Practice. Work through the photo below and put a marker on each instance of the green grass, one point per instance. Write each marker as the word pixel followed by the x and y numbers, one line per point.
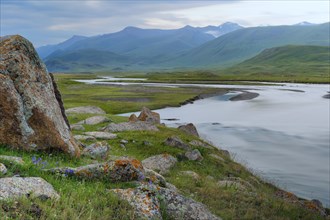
pixel 86 199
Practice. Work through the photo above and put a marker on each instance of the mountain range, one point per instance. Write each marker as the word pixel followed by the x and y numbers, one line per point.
pixel 188 47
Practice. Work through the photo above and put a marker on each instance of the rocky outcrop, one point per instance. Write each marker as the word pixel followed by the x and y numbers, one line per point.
pixel 85 110
pixel 94 120
pixel 189 129
pixel 161 163
pixel 176 142
pixel 148 116
pixel 194 155
pixel 97 150
pixel 30 113
pixel 130 126
pixel 120 170
pixel 146 200
pixel 3 169
pixel 15 187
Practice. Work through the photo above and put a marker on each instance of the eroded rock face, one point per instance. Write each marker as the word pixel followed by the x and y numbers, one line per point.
pixel 14 187
pixel 30 113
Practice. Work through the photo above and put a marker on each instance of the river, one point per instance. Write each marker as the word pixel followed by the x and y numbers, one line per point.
pixel 283 134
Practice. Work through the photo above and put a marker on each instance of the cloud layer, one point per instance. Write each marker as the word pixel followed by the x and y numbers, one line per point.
pixel 52 21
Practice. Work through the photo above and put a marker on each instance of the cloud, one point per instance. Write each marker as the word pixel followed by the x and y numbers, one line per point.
pixel 50 21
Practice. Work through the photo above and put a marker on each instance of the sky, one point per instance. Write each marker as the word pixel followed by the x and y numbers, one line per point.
pixel 53 21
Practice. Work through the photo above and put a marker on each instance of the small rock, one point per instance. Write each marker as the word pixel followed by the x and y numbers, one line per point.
pixel 123 146
pixel 176 142
pixel 3 169
pixel 102 135
pixel 197 143
pixel 148 116
pixel 160 163
pixel 217 157
pixel 94 120
pixel 190 173
pixel 133 118
pixel 17 160
pixel 143 201
pixel 123 141
pixel 155 177
pixel 97 150
pixel 85 110
pixel 130 126
pixel 84 138
pixel 119 170
pixel 76 127
pixel 189 129
pixel 15 187
pixel 146 143
pixel 194 155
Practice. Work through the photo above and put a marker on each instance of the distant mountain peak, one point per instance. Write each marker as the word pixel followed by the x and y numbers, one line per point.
pixel 304 23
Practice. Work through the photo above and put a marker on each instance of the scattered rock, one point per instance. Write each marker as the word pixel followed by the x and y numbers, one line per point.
pixel 133 118
pixel 194 155
pixel 130 126
pixel 160 163
pixel 17 160
pixel 97 150
pixel 102 135
pixel 94 120
pixel 147 115
pixel 176 142
pixel 3 169
pixel 119 170
pixel 189 129
pixel 85 110
pixel 31 112
pixel 217 157
pixel 180 207
pixel 190 173
pixel 197 143
pixel 84 138
pixel 123 141
pixel 76 127
pixel 14 187
pixel 143 201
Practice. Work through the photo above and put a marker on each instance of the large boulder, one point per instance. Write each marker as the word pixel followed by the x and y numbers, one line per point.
pixel 15 187
pixel 161 163
pixel 31 113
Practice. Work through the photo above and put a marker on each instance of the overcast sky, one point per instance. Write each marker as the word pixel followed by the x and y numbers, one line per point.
pixel 52 21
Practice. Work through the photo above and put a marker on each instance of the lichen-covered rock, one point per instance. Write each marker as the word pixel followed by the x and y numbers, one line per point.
pixel 120 170
pixel 189 129
pixel 85 110
pixel 14 187
pixel 130 126
pixel 148 116
pixel 31 115
pixel 194 155
pixel 12 159
pixel 176 142
pixel 143 201
pixel 94 120
pixel 3 169
pixel 155 177
pixel 161 163
pixel 180 207
pixel 97 150
pixel 101 135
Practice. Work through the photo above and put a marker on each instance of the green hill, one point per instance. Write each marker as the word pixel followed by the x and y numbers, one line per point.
pixel 245 43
